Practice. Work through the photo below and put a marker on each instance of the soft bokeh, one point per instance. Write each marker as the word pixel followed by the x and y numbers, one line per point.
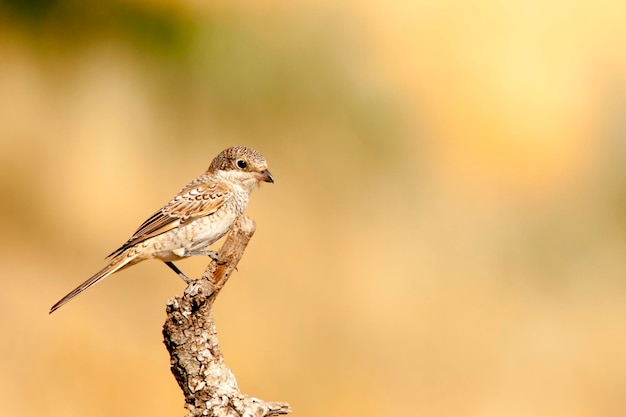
pixel 447 231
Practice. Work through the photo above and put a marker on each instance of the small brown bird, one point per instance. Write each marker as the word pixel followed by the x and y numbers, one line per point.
pixel 198 216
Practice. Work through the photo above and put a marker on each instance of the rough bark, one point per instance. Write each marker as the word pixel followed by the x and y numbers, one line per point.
pixel 190 336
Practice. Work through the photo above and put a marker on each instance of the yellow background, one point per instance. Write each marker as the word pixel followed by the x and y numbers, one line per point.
pixel 447 231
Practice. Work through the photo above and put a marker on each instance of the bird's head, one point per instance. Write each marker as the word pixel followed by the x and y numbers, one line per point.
pixel 242 165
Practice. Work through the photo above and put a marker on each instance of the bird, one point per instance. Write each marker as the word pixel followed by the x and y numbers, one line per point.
pixel 198 216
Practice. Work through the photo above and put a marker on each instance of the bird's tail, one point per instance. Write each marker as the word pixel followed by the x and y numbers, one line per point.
pixel 117 263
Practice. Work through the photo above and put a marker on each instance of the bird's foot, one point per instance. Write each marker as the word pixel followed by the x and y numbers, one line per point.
pixel 179 272
pixel 211 254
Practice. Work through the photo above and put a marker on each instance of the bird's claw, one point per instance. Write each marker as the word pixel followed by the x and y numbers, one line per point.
pixel 215 256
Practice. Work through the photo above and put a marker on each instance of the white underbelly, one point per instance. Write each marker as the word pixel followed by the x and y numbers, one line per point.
pixel 195 236
pixel 206 232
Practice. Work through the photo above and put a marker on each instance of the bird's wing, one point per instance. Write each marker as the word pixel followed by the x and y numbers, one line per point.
pixel 201 197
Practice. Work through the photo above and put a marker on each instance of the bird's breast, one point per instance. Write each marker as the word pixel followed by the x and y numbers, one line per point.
pixel 195 235
pixel 208 230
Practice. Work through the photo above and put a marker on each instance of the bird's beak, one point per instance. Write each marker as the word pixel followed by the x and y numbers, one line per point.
pixel 266 176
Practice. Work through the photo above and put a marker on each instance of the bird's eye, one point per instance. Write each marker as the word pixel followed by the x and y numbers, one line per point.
pixel 242 164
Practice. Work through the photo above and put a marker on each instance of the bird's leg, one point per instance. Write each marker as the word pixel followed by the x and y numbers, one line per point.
pixel 179 272
pixel 211 254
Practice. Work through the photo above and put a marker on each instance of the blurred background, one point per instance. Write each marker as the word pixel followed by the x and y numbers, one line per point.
pixel 447 231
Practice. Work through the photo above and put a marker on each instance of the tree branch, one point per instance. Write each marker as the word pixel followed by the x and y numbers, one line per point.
pixel 190 336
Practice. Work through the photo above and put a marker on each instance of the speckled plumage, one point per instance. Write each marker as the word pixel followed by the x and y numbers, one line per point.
pixel 198 216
